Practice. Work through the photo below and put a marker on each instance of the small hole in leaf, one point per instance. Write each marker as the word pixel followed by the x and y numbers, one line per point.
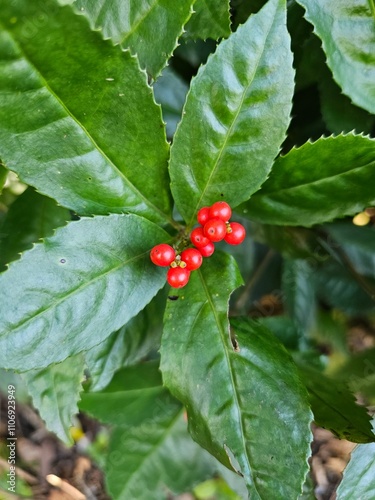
pixel 62 261
pixel 89 178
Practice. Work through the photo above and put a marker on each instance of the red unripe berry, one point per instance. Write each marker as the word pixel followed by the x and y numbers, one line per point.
pixel 215 229
pixel 237 235
pixel 208 250
pixel 162 255
pixel 178 276
pixel 221 210
pixel 198 238
pixel 203 215
pixel 192 258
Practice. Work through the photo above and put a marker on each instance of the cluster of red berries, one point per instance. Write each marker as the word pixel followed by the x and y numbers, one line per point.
pixel 213 226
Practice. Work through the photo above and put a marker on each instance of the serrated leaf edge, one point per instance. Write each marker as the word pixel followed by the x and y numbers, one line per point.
pixel 195 38
pixel 133 53
pixel 131 186
pixel 67 439
pixel 192 82
pixel 324 48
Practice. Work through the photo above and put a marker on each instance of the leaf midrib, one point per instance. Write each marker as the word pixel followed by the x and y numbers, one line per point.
pixel 133 188
pixel 311 183
pixel 213 14
pixel 229 130
pixel 227 358
pixel 153 450
pixel 335 410
pixel 139 22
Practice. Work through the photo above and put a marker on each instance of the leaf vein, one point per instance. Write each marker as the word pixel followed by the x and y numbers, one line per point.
pixel 229 131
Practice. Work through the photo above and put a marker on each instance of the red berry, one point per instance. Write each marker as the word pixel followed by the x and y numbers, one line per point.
pixel 198 239
pixel 215 229
pixel 178 276
pixel 208 250
pixel 203 215
pixel 192 258
pixel 221 210
pixel 162 255
pixel 237 234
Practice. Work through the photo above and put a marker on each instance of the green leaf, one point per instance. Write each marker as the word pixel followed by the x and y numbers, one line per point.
pixel 61 85
pixel 337 286
pixel 128 345
pixel 330 329
pixel 150 448
pixel 228 390
pixel 150 28
pixel 346 29
pixel 143 461
pixel 135 388
pixel 338 112
pixel 283 328
pixel 358 244
pixel 236 115
pixel 310 184
pixel 359 372
pixel 170 91
pixel 335 409
pixel 291 242
pixel 308 489
pixel 299 295
pixel 77 287
pixel 210 20
pixel 358 480
pixel 30 218
pixel 55 393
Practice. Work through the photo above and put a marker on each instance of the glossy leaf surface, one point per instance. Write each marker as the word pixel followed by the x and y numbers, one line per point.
pixel 30 218
pixel 128 345
pixel 78 286
pixel 210 20
pixel 358 480
pixel 317 182
pixel 55 393
pixel 150 448
pixel 150 28
pixel 90 103
pixel 346 29
pixel 228 391
pixel 235 116
pixel 334 407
